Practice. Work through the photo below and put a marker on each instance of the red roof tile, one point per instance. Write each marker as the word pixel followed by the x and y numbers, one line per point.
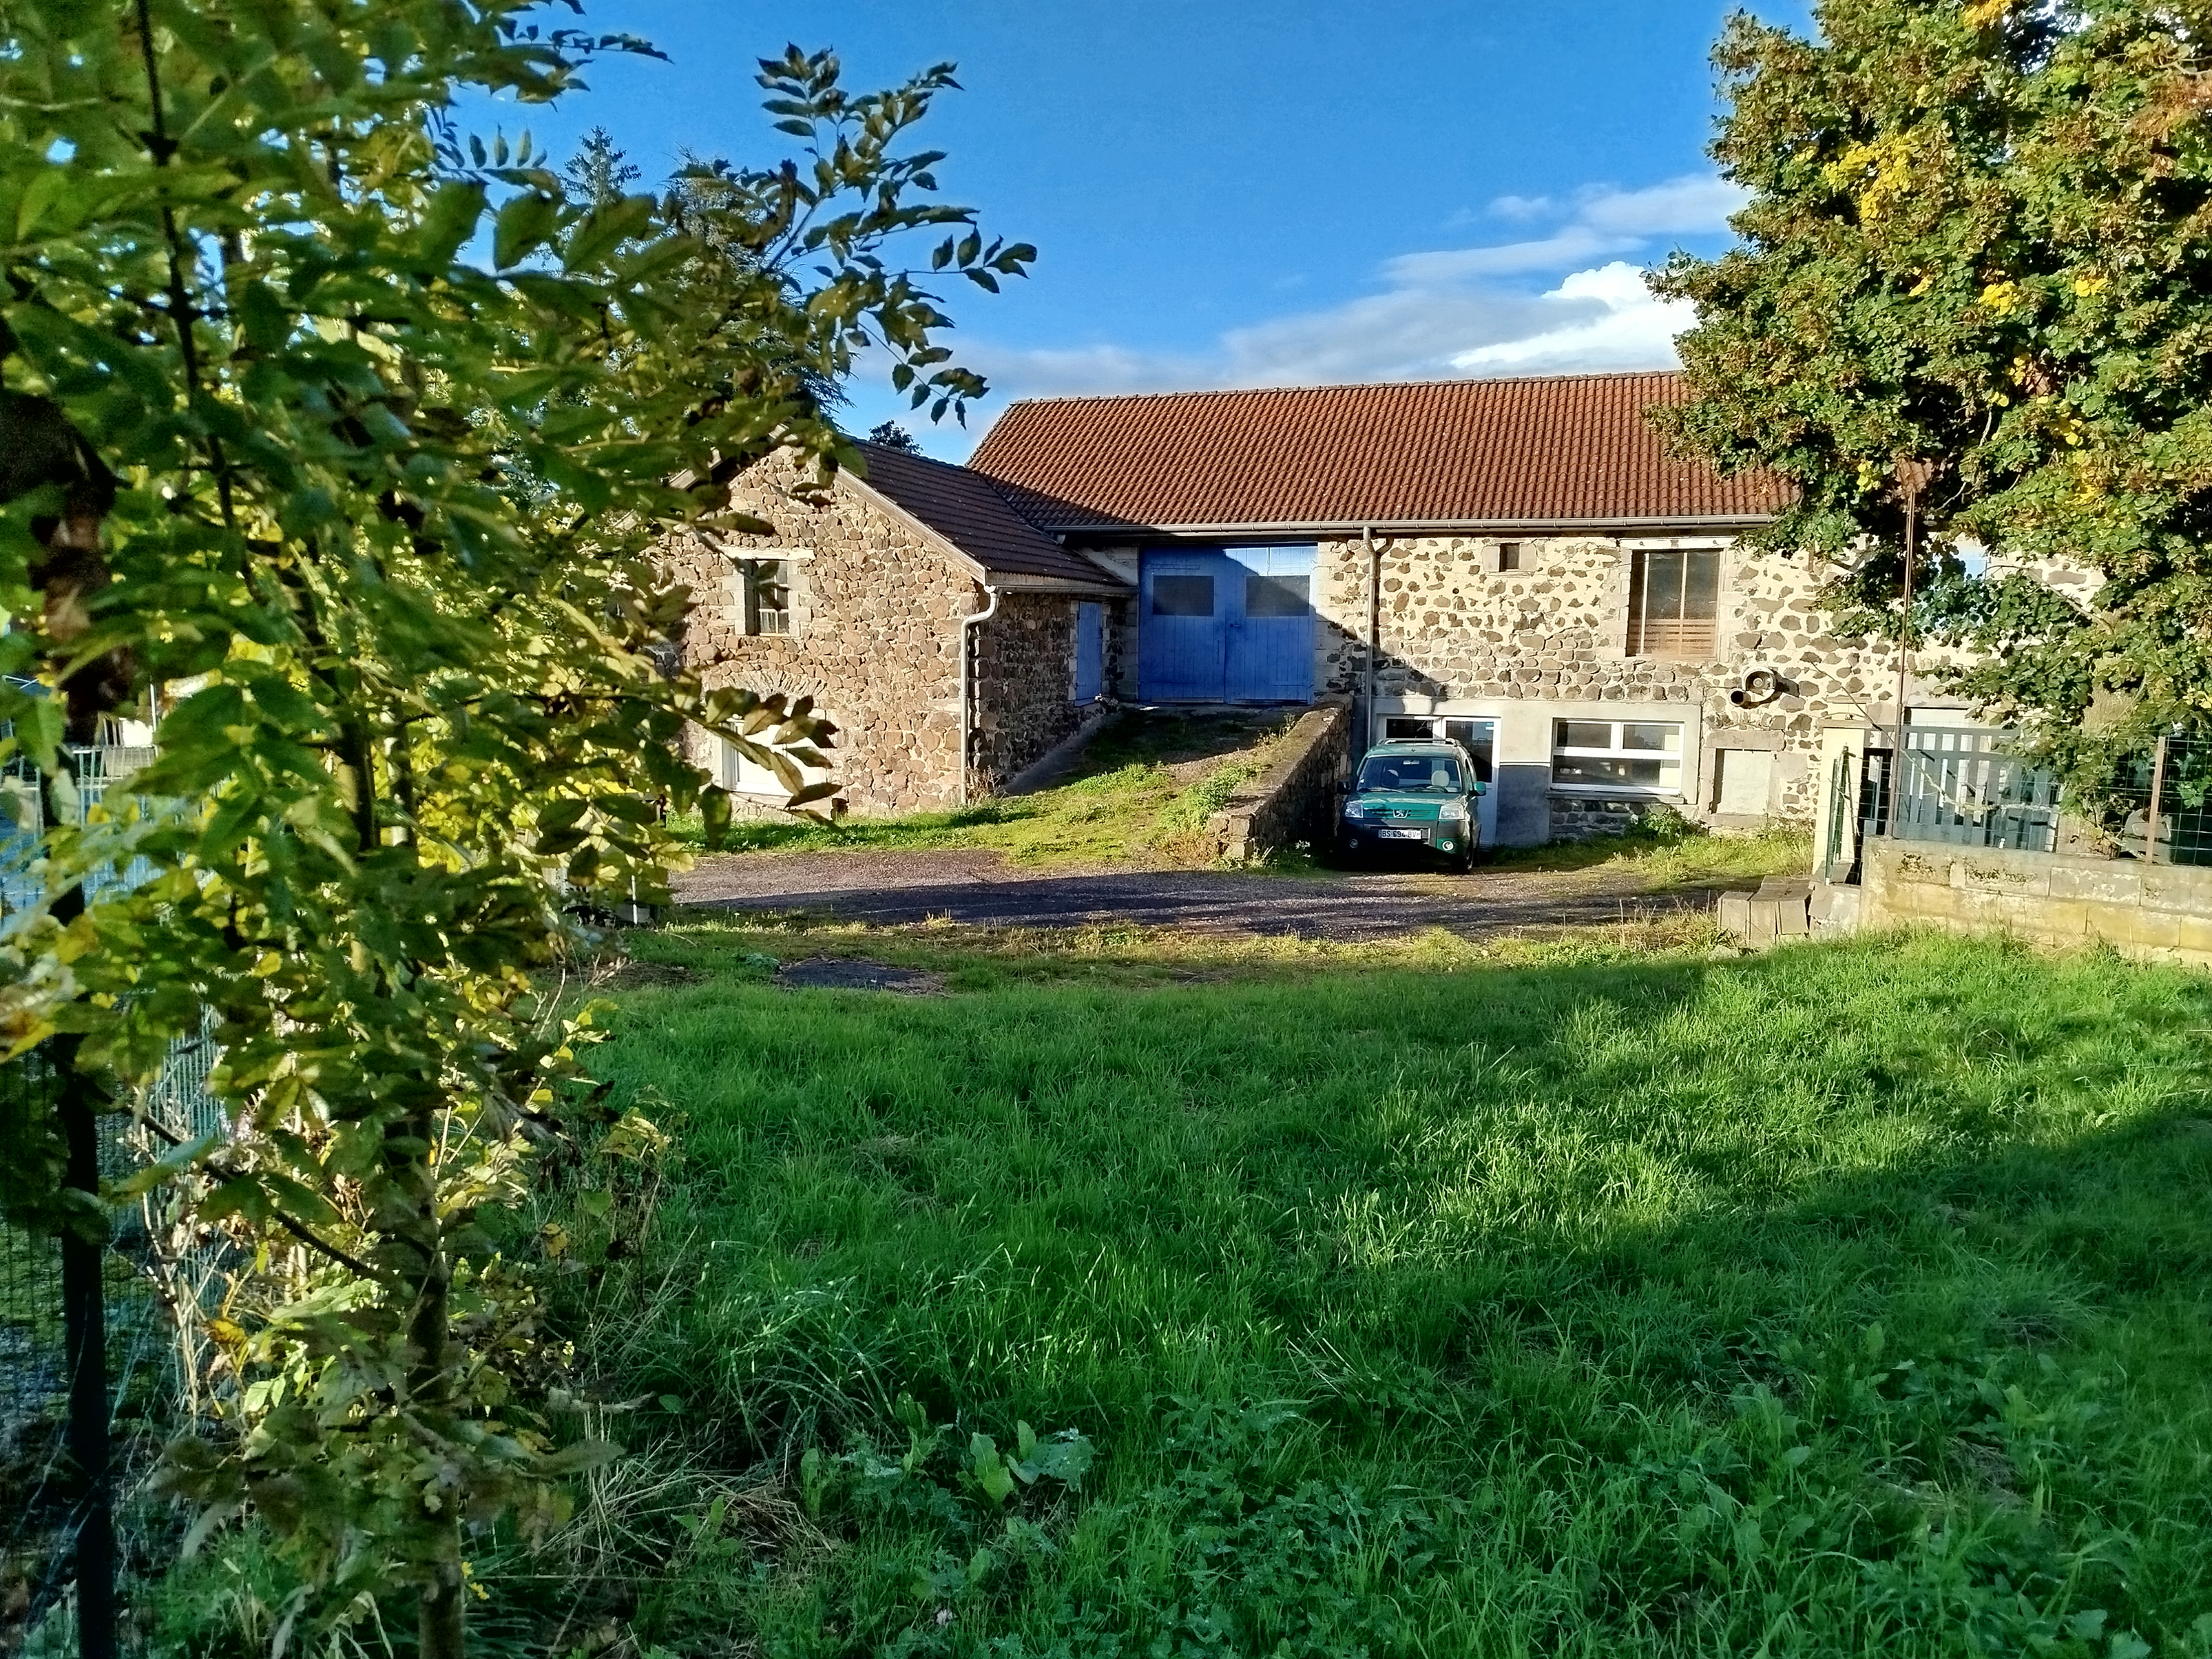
pixel 968 511
pixel 1570 449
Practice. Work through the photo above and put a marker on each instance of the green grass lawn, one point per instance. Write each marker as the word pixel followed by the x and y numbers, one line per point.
pixel 1142 789
pixel 1590 1296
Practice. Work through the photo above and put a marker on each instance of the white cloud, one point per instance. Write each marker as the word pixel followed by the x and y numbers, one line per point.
pixel 1634 329
pixel 1440 312
pixel 1523 207
pixel 1697 204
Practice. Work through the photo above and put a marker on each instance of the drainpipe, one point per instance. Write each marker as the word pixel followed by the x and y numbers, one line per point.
pixel 966 680
pixel 1374 636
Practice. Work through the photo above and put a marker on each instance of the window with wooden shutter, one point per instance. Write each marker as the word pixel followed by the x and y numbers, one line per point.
pixel 1673 602
pixel 767 585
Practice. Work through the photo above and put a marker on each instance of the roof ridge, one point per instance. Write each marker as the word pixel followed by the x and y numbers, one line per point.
pixel 1345 386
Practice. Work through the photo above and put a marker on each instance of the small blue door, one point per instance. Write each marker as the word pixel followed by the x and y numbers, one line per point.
pixel 1226 625
pixel 1090 651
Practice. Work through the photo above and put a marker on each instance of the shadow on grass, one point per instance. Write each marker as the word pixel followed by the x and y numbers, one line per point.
pixel 1857 1294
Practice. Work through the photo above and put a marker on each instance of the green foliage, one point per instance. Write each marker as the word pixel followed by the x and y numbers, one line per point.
pixel 1845 1300
pixel 1970 241
pixel 371 523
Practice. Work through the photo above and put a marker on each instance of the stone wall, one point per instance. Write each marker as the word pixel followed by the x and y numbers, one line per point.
pixel 2150 911
pixel 1295 799
pixel 1458 636
pixel 1025 681
pixel 876 606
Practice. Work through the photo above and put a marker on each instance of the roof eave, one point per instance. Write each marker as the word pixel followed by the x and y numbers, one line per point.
pixel 1406 527
pixel 1106 586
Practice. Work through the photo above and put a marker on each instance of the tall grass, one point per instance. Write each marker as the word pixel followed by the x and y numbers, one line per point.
pixel 1845 1300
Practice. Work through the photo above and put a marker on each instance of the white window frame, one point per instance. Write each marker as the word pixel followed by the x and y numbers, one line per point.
pixel 1675 756
pixel 741 776
pixel 749 611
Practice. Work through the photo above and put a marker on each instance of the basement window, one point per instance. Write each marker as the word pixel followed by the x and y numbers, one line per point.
pixel 1642 758
pixel 767 586
pixel 1673 602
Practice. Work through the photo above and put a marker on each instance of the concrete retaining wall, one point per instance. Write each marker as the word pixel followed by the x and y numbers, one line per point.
pixel 2153 911
pixel 1293 800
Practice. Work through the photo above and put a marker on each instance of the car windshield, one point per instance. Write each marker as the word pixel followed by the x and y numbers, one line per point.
pixel 1439 772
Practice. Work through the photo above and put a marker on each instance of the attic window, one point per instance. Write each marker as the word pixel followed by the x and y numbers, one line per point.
pixel 767 585
pixel 1673 602
pixel 1508 555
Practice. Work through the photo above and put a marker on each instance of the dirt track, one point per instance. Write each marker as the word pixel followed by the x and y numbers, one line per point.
pixel 979 888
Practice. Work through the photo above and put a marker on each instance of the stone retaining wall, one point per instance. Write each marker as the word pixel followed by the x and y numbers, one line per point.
pixel 1295 799
pixel 2151 911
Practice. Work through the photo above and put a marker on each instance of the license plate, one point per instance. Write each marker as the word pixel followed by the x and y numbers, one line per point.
pixel 1403 835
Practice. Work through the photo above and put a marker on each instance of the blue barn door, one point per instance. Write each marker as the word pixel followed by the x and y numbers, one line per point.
pixel 1182 634
pixel 1226 625
pixel 1271 633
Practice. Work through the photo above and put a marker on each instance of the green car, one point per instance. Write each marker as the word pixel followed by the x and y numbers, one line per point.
pixel 1414 794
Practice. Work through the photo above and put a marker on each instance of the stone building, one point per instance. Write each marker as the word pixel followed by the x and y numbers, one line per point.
pixel 868 600
pixel 1519 564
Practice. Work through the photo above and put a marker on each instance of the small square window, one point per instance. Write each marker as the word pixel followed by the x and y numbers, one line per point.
pixel 1508 555
pixel 1275 596
pixel 1182 596
pixel 767 584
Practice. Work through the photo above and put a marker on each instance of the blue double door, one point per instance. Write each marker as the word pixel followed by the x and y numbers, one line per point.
pixel 1229 624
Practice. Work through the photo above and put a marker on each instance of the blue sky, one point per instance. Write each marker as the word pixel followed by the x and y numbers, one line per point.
pixel 1229 194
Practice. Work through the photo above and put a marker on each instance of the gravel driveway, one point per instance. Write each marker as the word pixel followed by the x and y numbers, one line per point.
pixel 979 888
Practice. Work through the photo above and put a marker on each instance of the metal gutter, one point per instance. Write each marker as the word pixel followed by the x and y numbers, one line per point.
pixel 966 680
pixel 1412 527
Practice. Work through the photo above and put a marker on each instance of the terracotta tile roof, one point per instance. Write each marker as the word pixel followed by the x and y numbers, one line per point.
pixel 967 510
pixel 1572 449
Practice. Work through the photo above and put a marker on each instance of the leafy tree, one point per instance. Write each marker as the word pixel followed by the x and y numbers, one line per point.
pixel 890 434
pixel 374 522
pixel 600 172
pixel 1975 242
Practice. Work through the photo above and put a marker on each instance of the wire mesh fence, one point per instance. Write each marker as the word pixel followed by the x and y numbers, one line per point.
pixel 44 1497
pixel 2166 799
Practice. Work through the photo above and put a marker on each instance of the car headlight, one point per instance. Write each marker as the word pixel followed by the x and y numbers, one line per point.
pixel 1355 808
pixel 1453 811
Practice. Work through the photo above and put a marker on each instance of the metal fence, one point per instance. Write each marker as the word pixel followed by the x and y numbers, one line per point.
pixel 1959 786
pixel 2166 799
pixel 1963 787
pixel 99 770
pixel 46 1498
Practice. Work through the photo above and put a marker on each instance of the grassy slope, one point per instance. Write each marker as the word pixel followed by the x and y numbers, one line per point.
pixel 1843 1300
pixel 1143 789
pixel 1146 786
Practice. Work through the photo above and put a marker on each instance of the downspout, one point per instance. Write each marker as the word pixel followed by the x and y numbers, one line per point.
pixel 1374 636
pixel 966 680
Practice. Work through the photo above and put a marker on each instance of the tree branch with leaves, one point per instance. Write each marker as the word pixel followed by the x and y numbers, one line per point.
pixel 349 439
